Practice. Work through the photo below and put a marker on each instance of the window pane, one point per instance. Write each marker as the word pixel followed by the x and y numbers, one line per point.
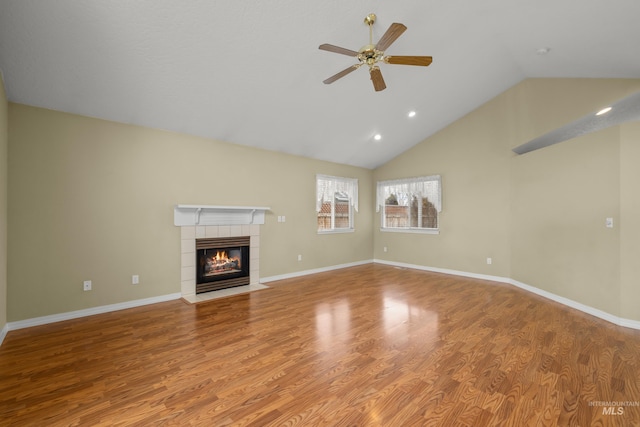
pixel 324 216
pixel 342 211
pixel 336 199
pixel 411 203
pixel 429 214
pixel 396 216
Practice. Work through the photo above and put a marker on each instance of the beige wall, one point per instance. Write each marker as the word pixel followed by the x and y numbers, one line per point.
pixel 540 216
pixel 630 220
pixel 472 156
pixel 4 142
pixel 562 196
pixel 93 200
pixel 90 199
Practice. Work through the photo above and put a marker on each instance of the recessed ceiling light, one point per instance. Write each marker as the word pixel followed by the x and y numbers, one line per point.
pixel 603 111
pixel 412 114
pixel 543 51
pixel 377 137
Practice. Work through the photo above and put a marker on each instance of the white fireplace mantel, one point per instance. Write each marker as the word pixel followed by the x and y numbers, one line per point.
pixel 189 215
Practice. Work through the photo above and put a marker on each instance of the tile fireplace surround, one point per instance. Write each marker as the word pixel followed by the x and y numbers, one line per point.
pixel 215 221
pixel 188 237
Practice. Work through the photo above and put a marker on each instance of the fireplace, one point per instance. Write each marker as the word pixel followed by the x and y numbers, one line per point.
pixel 222 262
pixel 203 222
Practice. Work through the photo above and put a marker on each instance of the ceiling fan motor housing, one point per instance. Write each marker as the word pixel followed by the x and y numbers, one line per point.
pixel 369 55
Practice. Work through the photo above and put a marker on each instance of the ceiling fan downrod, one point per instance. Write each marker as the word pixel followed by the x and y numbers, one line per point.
pixel 368 54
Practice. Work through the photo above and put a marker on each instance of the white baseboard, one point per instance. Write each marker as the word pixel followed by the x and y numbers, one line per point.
pixel 36 321
pixel 3 332
pixel 444 270
pixel 621 321
pixel 313 271
pixel 20 324
pixel 627 323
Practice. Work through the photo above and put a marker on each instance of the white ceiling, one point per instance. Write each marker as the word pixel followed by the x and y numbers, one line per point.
pixel 250 72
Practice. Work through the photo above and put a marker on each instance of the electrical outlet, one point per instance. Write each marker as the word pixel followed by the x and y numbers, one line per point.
pixel 135 279
pixel 299 257
pixel 489 261
pixel 384 249
pixel 87 285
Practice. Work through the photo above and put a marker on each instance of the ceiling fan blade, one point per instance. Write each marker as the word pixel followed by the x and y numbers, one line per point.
pixel 341 74
pixel 409 60
pixel 338 49
pixel 376 78
pixel 394 31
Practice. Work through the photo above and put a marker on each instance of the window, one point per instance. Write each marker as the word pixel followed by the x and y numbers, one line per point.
pixel 336 200
pixel 410 204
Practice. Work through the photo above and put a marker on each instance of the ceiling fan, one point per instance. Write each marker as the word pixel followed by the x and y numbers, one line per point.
pixel 371 54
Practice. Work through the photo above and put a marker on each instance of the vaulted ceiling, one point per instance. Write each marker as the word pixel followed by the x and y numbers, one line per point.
pixel 250 72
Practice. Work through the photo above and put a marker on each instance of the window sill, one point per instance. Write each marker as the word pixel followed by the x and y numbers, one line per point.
pixel 411 230
pixel 337 231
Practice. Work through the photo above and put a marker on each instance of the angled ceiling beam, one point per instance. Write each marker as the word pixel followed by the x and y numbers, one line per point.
pixel 625 110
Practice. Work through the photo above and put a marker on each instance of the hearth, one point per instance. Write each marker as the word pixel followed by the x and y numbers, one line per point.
pixel 222 262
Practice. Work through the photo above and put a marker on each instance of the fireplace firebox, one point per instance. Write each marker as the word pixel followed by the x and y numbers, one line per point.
pixel 221 263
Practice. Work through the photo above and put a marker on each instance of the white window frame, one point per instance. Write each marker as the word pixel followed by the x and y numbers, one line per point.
pixel 406 189
pixel 326 188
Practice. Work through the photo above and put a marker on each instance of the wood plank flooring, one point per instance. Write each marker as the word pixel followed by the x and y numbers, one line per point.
pixel 371 345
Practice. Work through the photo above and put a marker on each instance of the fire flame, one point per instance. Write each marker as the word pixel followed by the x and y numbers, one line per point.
pixel 221 262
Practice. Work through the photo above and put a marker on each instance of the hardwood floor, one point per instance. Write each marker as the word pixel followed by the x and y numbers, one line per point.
pixel 371 345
